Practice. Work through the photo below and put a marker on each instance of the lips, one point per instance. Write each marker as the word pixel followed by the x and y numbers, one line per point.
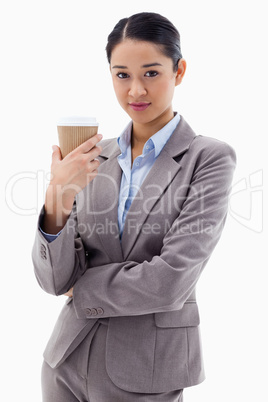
pixel 139 106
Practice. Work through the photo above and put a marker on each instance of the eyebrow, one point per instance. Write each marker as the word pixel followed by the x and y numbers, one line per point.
pixel 144 66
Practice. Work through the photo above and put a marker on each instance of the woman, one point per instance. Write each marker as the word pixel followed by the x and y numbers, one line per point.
pixel 130 233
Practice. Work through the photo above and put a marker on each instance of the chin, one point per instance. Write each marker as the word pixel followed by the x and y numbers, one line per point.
pixel 143 117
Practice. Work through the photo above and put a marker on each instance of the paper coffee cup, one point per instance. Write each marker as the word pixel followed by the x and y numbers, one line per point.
pixel 73 131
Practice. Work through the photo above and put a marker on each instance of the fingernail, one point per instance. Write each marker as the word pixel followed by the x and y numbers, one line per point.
pixel 54 148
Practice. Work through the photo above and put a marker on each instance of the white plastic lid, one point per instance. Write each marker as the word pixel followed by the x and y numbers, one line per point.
pixel 77 121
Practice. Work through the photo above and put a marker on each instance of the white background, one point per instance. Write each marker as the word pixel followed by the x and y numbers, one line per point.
pixel 54 64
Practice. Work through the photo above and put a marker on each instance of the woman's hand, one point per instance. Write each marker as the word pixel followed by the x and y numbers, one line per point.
pixel 68 177
pixel 69 293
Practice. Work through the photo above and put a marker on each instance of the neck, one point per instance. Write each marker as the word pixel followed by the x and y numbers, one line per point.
pixel 141 132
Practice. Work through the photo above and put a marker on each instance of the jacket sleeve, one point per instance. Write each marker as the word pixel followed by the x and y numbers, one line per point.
pixel 166 282
pixel 60 263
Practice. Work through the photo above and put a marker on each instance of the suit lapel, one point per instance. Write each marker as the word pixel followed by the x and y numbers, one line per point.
pixel 105 192
pixel 106 186
pixel 155 184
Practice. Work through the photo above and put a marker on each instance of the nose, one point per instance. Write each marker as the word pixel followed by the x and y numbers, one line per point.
pixel 137 89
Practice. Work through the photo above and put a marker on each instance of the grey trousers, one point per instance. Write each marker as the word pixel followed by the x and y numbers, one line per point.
pixel 83 377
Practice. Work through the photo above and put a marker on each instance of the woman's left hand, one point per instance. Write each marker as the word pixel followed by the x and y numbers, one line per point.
pixel 69 293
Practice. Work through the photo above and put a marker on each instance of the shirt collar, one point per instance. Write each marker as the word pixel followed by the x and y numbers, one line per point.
pixel 162 136
pixel 124 139
pixel 156 141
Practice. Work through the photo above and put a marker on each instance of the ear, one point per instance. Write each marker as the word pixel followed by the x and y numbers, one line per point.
pixel 180 72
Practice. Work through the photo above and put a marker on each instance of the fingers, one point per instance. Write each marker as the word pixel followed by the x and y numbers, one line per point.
pixel 89 144
pixel 93 153
pixel 94 164
pixel 56 155
pixel 78 168
pixel 69 293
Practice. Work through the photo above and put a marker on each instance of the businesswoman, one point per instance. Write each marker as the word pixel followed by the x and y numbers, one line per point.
pixel 126 230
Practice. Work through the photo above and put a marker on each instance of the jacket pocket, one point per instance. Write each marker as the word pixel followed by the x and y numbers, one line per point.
pixel 188 316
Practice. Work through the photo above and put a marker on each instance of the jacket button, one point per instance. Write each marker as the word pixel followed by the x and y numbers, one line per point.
pixel 93 311
pixel 88 311
pixel 43 251
pixel 100 311
pixel 43 255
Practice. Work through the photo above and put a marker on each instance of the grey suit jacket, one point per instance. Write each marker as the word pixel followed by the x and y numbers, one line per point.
pixel 145 282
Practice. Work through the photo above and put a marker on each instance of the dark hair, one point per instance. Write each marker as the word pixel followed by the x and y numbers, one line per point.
pixel 150 27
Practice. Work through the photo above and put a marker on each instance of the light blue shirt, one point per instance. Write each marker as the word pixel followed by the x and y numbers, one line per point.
pixel 133 177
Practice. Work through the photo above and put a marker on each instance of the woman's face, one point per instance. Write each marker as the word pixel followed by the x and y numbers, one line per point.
pixel 144 81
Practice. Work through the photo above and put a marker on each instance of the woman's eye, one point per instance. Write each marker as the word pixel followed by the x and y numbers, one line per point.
pixel 122 75
pixel 151 74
